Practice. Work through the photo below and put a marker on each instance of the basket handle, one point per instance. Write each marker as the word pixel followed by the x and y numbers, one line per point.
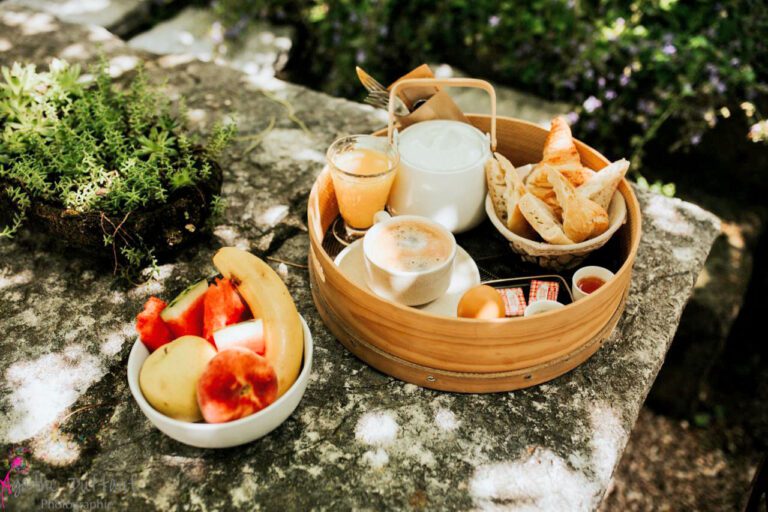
pixel 448 82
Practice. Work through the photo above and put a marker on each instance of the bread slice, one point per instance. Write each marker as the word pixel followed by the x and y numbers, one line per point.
pixel 497 185
pixel 543 220
pixel 513 191
pixel 582 218
pixel 524 170
pixel 578 177
pixel 602 185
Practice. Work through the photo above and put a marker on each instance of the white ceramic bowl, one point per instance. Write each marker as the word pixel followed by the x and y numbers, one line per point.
pixel 560 257
pixel 222 435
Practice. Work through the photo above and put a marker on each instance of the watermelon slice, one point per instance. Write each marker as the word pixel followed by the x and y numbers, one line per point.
pixel 223 307
pixel 248 335
pixel 184 315
pixel 152 330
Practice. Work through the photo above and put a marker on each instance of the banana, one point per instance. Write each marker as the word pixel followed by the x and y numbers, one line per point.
pixel 270 300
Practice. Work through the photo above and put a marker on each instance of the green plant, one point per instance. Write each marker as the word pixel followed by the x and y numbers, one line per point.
pixel 89 147
pixel 637 72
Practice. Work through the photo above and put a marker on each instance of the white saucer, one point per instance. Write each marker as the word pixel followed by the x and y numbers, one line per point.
pixel 465 275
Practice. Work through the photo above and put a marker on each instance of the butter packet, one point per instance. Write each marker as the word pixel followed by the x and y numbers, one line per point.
pixel 543 290
pixel 514 301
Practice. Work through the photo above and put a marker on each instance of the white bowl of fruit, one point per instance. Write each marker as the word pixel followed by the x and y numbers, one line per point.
pixel 227 361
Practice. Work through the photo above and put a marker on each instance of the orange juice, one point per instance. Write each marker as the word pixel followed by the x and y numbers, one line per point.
pixel 363 185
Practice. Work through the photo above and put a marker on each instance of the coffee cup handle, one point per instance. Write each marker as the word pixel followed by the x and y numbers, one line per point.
pixel 381 216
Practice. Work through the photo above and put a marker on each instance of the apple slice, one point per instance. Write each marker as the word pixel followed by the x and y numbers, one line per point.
pixel 248 335
pixel 184 315
pixel 237 383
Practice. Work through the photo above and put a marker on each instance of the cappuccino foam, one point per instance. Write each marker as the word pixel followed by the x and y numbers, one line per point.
pixel 411 246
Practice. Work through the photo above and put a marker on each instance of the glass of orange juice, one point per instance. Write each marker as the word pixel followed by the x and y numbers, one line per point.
pixel 363 168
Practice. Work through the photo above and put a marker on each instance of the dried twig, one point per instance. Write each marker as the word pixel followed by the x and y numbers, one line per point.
pixel 290 111
pixel 288 263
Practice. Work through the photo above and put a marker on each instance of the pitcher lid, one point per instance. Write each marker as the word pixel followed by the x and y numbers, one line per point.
pixel 442 146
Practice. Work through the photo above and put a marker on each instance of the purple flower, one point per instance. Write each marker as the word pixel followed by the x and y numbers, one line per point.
pixel 645 106
pixel 669 49
pixel 494 21
pixel 360 56
pixel 610 94
pixel 571 118
pixel 624 80
pixel 720 87
pixel 591 104
pixel 601 82
pixel 695 139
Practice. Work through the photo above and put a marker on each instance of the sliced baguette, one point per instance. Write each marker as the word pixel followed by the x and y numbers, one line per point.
pixel 513 191
pixel 543 220
pixel 602 185
pixel 497 185
pixel 582 218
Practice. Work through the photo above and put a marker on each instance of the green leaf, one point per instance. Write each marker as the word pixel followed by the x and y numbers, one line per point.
pixel 702 419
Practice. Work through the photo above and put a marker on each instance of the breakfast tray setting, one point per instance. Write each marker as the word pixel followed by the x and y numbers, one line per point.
pixel 440 350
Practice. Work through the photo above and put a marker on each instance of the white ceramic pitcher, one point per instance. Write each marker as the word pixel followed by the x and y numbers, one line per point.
pixel 442 164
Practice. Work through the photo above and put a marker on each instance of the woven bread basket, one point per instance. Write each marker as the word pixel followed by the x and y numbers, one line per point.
pixel 560 257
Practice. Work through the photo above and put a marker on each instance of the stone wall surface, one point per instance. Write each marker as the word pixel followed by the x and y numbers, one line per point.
pixel 119 16
pixel 260 51
pixel 359 439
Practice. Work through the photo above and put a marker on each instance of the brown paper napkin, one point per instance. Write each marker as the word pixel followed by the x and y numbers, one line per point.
pixel 440 105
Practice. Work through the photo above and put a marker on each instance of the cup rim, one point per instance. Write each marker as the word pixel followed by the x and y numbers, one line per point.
pixel 379 225
pixel 393 167
pixel 555 304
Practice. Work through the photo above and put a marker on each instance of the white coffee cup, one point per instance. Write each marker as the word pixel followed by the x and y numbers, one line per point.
pixel 442 173
pixel 418 280
pixel 601 273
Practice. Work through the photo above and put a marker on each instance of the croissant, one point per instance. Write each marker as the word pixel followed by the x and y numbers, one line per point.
pixel 582 217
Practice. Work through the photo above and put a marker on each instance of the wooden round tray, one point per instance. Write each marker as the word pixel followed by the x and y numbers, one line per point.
pixel 464 355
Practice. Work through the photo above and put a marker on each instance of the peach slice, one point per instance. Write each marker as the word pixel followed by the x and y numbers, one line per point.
pixel 237 383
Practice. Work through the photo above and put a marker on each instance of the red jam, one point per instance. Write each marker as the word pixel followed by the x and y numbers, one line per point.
pixel 590 284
